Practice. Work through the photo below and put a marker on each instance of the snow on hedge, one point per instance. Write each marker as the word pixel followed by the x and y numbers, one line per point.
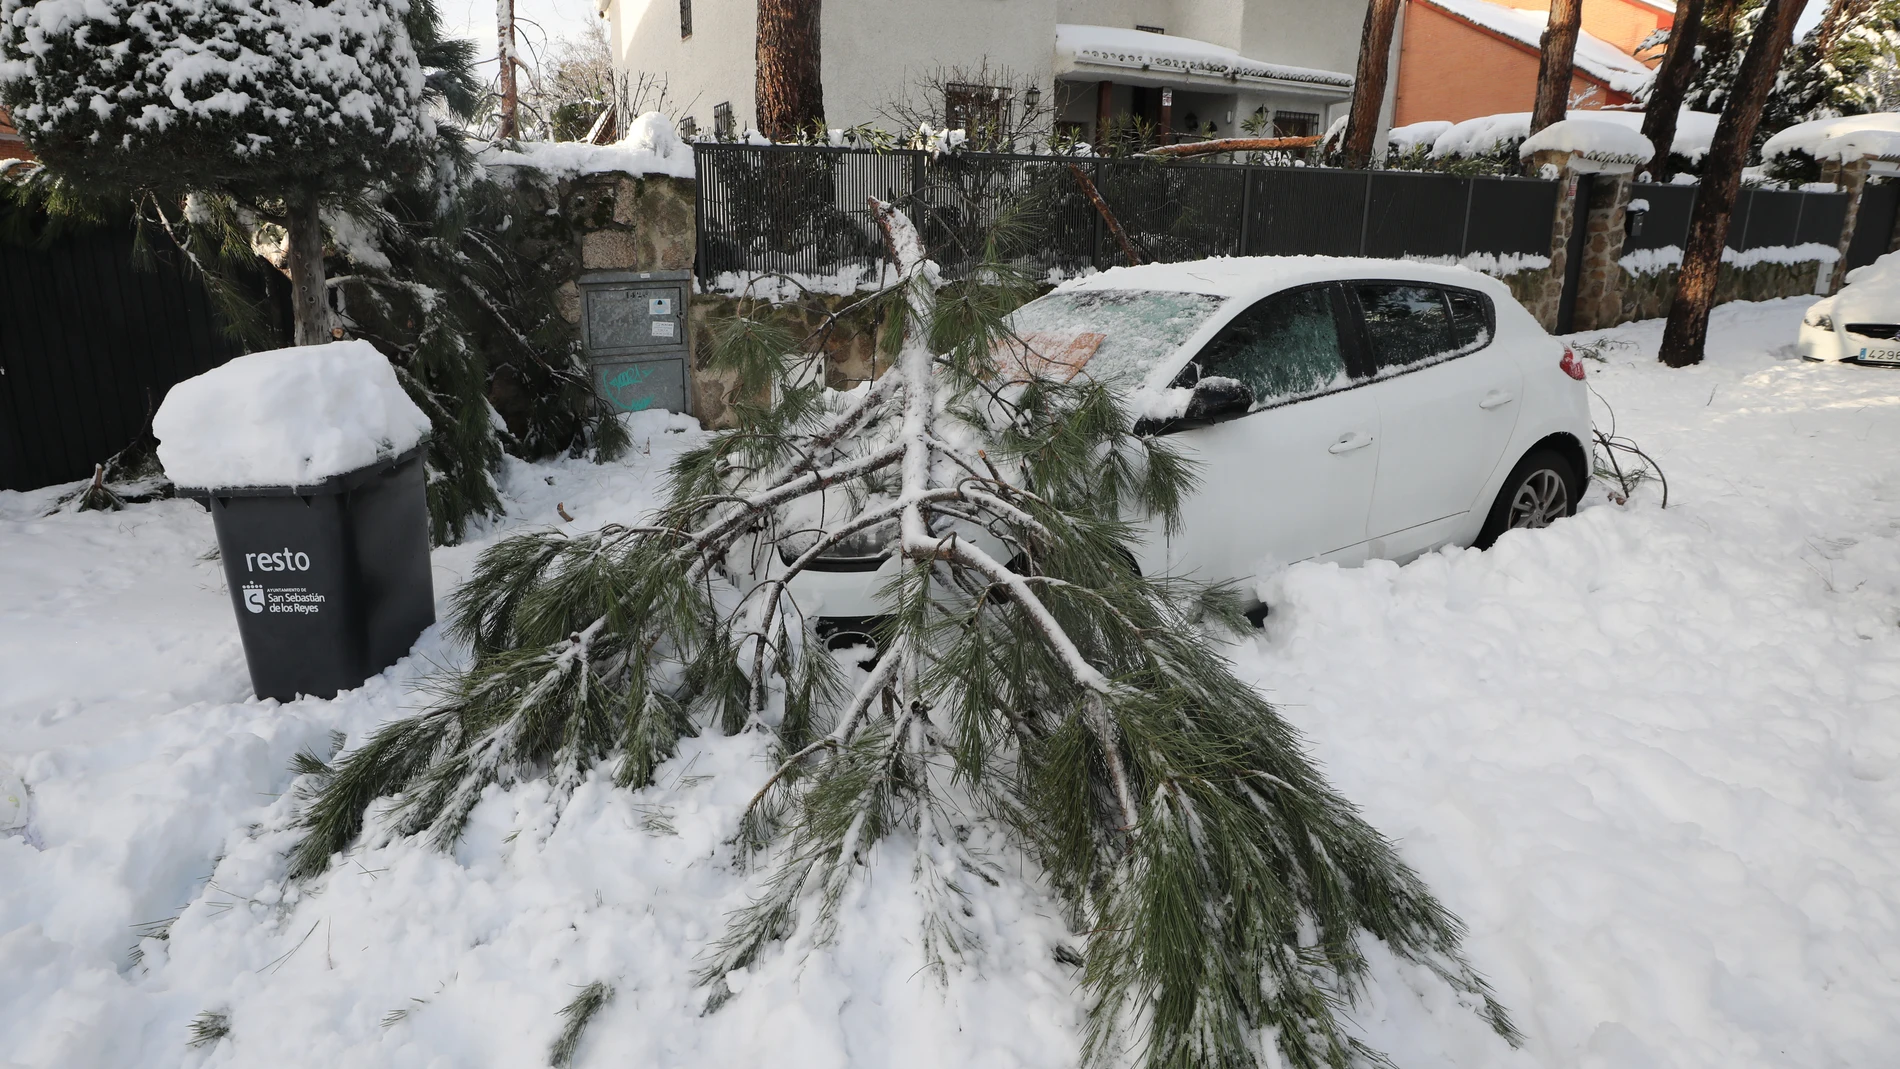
pixel 288 417
pixel 1668 258
pixel 652 146
pixel 1846 138
pixel 1592 138
pixel 1486 134
pixel 1404 139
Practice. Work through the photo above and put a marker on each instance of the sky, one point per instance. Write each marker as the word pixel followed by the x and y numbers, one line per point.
pixel 537 21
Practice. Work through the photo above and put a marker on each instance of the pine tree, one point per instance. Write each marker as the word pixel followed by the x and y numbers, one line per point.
pixel 788 81
pixel 1556 63
pixel 1836 69
pixel 1368 90
pixel 282 105
pixel 1056 695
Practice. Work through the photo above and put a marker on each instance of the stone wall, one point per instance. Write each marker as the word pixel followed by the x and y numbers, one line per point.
pixel 1648 296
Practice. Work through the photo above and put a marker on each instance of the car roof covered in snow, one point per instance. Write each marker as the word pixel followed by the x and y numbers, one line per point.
pixel 1252 277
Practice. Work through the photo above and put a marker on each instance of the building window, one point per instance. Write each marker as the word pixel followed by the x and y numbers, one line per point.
pixel 979 110
pixel 689 128
pixel 722 121
pixel 686 19
pixel 1150 29
pixel 1295 124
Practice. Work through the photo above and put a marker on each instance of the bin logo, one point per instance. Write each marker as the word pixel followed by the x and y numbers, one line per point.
pixel 253 597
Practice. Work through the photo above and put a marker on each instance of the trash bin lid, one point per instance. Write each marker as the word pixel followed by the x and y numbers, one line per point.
pixel 287 421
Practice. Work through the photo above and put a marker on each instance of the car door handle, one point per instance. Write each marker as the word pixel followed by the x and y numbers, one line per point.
pixel 1349 442
pixel 1495 399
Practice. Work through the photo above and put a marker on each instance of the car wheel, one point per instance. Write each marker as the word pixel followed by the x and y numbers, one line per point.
pixel 1542 489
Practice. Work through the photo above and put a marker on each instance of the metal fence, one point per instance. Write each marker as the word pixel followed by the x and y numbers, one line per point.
pixel 90 340
pixel 801 210
pixel 1763 217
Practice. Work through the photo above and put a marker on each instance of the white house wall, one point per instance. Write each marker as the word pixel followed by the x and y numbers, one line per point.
pixel 714 66
pixel 907 41
pixel 879 51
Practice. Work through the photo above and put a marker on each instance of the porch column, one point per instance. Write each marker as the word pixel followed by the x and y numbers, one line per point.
pixel 1104 108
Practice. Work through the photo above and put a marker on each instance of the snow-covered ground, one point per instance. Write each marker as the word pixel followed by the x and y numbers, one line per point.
pixel 1648 755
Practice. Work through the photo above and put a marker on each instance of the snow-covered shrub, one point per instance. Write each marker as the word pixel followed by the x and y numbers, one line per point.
pixel 257 98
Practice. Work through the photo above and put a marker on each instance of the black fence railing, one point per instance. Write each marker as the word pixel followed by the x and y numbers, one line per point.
pixel 1763 217
pixel 802 210
pixel 91 337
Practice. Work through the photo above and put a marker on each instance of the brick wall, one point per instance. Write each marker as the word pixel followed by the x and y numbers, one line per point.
pixel 1451 69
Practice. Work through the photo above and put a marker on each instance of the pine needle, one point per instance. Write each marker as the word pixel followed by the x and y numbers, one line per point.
pixel 578 1013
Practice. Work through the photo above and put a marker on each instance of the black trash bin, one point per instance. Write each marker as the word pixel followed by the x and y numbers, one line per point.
pixel 330 582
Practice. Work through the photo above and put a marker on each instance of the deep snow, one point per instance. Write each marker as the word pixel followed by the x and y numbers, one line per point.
pixel 1647 755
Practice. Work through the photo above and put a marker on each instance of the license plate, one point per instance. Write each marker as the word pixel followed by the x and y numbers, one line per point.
pixel 1887 357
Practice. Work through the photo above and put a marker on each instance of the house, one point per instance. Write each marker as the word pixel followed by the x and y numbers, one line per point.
pixel 1200 66
pixel 12 145
pixel 1460 59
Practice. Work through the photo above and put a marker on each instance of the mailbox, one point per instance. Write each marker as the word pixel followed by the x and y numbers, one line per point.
pixel 634 331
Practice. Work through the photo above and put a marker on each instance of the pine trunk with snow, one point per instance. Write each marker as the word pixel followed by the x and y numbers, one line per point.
pixel 1664 105
pixel 1555 66
pixel 1368 87
pixel 1046 693
pixel 1688 327
pixel 788 86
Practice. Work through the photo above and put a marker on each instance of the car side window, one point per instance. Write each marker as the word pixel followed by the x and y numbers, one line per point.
pixel 1284 348
pixel 1406 323
pixel 1471 324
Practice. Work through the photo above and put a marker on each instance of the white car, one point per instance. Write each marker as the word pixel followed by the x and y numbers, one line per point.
pixel 1338 409
pixel 1861 323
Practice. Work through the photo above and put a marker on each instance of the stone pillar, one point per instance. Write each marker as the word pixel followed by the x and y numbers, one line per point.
pixel 1600 286
pixel 1851 177
pixel 1545 299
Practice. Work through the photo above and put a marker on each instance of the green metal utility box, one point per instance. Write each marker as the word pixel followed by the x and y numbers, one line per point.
pixel 634 329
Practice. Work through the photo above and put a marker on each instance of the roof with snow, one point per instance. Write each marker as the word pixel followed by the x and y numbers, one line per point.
pixel 1595 57
pixel 1084 47
pixel 1849 137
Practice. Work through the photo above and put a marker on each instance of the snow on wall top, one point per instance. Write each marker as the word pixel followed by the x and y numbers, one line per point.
pixel 1847 138
pixel 1605 142
pixel 288 417
pixel 1595 57
pixel 1474 137
pixel 1115 46
pixel 651 146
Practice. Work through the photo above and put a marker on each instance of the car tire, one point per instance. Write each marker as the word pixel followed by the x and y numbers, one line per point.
pixel 1543 488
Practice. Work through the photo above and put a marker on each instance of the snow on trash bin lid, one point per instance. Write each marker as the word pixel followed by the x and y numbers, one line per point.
pixel 288 417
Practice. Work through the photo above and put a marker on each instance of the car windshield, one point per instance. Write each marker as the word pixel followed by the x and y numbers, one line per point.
pixel 1119 335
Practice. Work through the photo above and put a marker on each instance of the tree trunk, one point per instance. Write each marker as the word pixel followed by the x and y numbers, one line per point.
pixel 1554 70
pixel 1368 87
pixel 309 304
pixel 789 90
pixel 509 127
pixel 1841 14
pixel 1688 327
pixel 1672 84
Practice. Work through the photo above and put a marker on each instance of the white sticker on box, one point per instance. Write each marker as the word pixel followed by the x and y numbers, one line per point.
pixel 660 306
pixel 662 330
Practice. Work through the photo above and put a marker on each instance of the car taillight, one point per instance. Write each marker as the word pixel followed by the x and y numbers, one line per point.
pixel 1572 366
